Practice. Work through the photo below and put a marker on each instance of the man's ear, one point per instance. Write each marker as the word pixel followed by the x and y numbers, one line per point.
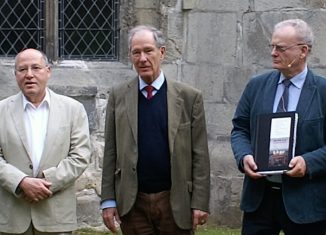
pixel 163 51
pixel 304 51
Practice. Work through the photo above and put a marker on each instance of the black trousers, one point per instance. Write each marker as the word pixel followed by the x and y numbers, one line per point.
pixel 271 218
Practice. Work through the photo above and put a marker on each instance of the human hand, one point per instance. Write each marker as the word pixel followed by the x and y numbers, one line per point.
pixel 298 167
pixel 198 218
pixel 250 167
pixel 35 189
pixel 110 215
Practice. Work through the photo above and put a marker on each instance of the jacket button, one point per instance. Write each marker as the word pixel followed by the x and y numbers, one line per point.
pixel 31 166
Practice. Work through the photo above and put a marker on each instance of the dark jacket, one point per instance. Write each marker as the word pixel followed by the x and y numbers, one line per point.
pixel 304 198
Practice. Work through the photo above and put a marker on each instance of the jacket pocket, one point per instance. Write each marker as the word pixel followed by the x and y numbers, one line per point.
pixel 313 137
pixel 184 125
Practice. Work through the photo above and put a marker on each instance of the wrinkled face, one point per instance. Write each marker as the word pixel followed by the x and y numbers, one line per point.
pixel 32 75
pixel 145 56
pixel 288 53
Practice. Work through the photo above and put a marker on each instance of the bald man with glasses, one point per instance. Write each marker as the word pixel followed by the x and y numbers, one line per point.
pixel 44 148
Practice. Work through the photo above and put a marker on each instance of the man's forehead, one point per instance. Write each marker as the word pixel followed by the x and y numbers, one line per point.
pixel 29 56
pixel 143 35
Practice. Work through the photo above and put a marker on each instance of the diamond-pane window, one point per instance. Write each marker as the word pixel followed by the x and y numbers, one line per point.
pixel 21 25
pixel 88 29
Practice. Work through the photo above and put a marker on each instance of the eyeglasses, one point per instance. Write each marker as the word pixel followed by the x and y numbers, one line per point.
pixel 35 69
pixel 279 48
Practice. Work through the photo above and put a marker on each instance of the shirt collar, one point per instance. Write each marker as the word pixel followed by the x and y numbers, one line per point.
pixel 158 82
pixel 298 79
pixel 46 100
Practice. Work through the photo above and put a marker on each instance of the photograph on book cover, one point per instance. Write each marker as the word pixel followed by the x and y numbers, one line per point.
pixel 279 143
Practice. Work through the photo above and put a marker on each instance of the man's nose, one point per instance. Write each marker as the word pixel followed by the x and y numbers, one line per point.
pixel 143 56
pixel 29 72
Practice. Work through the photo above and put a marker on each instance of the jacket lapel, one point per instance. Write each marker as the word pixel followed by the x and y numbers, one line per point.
pixel 306 96
pixel 52 128
pixel 131 103
pixel 174 111
pixel 17 114
pixel 174 103
pixel 272 83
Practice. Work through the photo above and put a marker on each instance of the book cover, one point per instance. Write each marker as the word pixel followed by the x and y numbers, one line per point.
pixel 275 141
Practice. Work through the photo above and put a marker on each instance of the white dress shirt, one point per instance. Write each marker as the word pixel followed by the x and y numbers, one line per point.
pixel 36 122
pixel 158 82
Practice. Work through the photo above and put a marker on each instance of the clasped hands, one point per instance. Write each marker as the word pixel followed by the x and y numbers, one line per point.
pixel 35 189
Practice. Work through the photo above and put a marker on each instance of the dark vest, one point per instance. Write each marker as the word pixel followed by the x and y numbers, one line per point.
pixel 153 168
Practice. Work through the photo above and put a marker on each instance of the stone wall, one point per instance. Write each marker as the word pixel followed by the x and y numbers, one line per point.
pixel 214 45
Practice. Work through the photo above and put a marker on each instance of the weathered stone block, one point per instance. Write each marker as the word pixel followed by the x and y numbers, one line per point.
pixel 188 4
pixel 222 5
pixel 219 120
pixel 88 209
pixel 171 71
pixel 211 38
pixel 206 77
pixel 236 78
pixel 226 184
pixel 145 4
pixel 7 79
pixel 222 160
pixel 266 5
pixel 175 37
pixel 224 203
pixel 148 17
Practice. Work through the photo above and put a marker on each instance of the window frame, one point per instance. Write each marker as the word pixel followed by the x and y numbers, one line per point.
pixel 48 39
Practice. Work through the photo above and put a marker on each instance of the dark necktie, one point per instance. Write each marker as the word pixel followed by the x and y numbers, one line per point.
pixel 282 107
pixel 149 89
pixel 283 104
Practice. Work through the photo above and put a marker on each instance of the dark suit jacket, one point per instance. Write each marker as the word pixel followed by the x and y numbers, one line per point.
pixel 187 144
pixel 304 198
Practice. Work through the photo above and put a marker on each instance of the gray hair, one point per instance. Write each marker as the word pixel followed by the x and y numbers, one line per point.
pixel 303 30
pixel 157 35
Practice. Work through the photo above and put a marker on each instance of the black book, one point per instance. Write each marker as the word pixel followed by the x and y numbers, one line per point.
pixel 275 142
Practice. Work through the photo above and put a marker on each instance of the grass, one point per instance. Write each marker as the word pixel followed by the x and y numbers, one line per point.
pixel 200 231
pixel 217 231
